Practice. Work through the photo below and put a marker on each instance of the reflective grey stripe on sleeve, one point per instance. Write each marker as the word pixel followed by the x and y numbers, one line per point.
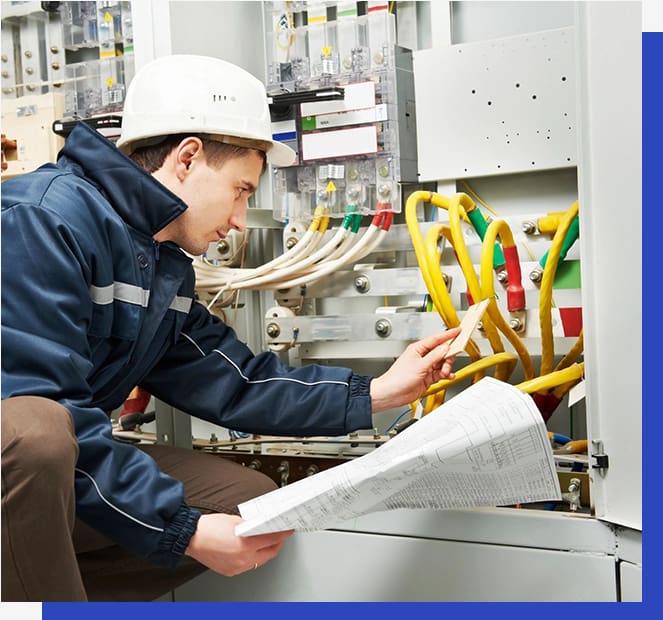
pixel 128 293
pixel 120 291
pixel 181 304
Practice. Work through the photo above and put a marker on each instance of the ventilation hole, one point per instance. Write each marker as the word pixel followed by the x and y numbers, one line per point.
pixel 474 92
pixel 533 163
pixel 533 96
pixel 517 85
pixel 490 103
pixel 563 78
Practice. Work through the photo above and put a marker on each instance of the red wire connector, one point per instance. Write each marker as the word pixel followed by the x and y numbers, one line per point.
pixel 515 293
pixel 384 215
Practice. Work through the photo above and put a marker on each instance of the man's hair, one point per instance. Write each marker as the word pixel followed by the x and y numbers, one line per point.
pixel 151 156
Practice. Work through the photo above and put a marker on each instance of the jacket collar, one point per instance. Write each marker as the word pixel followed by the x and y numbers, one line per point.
pixel 139 199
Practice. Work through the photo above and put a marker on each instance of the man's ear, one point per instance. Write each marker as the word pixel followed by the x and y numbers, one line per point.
pixel 187 153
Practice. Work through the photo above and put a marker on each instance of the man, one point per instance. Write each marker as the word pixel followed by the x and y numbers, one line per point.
pixel 97 297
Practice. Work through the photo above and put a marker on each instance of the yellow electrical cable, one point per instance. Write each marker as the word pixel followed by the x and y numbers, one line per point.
pixel 561 391
pixel 434 401
pixel 574 352
pixel 507 359
pixel 553 379
pixel 478 198
pixel 439 292
pixel 545 293
pixel 456 203
pixel 499 226
pixel 432 276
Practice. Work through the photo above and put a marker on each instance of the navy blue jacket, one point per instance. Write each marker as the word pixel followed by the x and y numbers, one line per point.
pixel 92 306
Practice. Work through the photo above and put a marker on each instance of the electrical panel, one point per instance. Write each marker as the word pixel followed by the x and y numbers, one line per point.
pixel 76 58
pixel 411 198
pixel 343 97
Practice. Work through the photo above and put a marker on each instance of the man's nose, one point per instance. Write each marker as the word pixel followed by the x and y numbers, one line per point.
pixel 238 219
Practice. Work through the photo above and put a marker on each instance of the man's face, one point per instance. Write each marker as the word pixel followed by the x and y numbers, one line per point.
pixel 217 199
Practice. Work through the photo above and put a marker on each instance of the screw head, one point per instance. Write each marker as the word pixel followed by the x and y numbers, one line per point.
pixel 362 284
pixel 383 328
pixel 515 324
pixel 529 228
pixel 273 330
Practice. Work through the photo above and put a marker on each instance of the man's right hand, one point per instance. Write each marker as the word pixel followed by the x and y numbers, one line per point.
pixel 215 545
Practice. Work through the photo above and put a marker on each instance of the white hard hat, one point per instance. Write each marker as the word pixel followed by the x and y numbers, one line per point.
pixel 198 94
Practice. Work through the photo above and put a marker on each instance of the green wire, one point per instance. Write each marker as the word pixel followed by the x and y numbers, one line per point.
pixel 478 221
pixel 569 239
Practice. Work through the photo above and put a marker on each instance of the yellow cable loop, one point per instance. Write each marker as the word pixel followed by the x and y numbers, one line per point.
pixel 456 203
pixel 434 401
pixel 574 352
pixel 545 294
pixel 482 202
pixel 553 379
pixel 562 390
pixel 432 277
pixel 439 292
pixel 499 226
pixel 438 289
pixel 506 359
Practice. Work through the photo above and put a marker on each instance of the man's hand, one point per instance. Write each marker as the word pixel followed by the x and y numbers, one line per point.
pixel 215 545
pixel 418 367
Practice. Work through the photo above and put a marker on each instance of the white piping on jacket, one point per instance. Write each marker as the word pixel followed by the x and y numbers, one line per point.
pixel 254 381
pixel 124 514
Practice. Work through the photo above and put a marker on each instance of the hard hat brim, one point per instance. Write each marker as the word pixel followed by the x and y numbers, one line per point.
pixel 281 155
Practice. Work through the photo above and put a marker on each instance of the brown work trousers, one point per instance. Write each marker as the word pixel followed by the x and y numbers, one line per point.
pixel 50 555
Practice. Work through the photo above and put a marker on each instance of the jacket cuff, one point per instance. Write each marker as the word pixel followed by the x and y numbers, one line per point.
pixel 359 412
pixel 176 537
pixel 359 385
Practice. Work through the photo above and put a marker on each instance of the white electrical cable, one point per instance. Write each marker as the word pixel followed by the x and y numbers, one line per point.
pixel 211 277
pixel 331 248
pixel 362 248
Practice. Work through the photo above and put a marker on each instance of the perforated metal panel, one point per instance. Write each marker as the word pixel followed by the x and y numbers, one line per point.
pixel 493 107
